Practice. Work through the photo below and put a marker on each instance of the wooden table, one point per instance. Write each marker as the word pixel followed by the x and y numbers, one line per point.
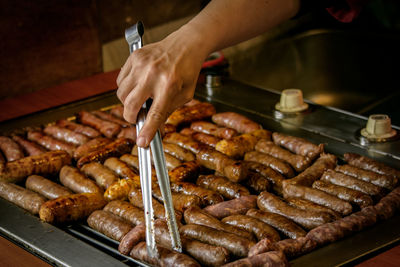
pixel 12 255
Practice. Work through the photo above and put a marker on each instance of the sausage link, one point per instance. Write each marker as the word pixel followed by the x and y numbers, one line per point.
pixel 257 182
pixel 109 117
pixel 109 224
pixel 187 114
pixel 235 206
pixel 136 235
pixel 71 208
pixel 10 149
pixel 206 139
pixel 187 131
pixel 128 132
pixel 120 168
pixel 180 201
pixel 126 211
pixel 211 128
pixel 46 163
pixel 184 141
pixel 187 171
pixel 79 128
pixel 50 143
pixel 308 205
pixel 262 134
pixel 21 197
pixel 237 146
pixel 66 135
pixel 207 197
pixel 31 149
pixel 295 247
pixel 223 186
pixel 236 121
pixel 297 145
pixel 109 129
pixel 178 152
pixel 45 187
pixel 120 189
pixel 103 176
pixel 274 177
pixel 276 164
pixel 73 179
pixel 118 111
pixel 270 258
pixel 90 146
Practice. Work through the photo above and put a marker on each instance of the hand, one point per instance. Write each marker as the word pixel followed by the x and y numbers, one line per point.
pixel 167 72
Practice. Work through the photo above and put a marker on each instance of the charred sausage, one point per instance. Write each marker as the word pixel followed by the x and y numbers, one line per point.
pixel 90 146
pixel 187 114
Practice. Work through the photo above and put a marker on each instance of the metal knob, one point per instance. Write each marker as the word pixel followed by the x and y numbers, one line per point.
pixel 291 101
pixel 378 128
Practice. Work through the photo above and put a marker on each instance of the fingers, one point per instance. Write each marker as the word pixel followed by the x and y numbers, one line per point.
pixel 133 103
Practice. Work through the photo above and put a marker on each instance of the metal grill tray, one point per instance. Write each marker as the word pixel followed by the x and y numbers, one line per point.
pixel 78 245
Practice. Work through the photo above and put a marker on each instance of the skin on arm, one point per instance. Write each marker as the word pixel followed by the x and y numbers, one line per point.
pixel 167 71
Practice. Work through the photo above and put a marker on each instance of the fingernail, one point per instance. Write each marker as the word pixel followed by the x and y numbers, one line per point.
pixel 141 141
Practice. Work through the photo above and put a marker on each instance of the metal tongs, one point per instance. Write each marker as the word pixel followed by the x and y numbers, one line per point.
pixel 133 36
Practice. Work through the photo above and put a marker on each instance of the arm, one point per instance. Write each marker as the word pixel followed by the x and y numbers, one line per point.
pixel 167 71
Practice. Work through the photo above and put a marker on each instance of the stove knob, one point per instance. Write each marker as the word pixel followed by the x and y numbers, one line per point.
pixel 291 101
pixel 378 128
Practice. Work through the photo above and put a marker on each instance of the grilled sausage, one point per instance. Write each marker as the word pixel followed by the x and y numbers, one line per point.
pixel 120 168
pixel 66 135
pixel 237 146
pixel 371 165
pixel 10 149
pixel 235 244
pixel 126 211
pixel 50 143
pixel 79 128
pixel 109 129
pixel 21 197
pixel 326 233
pixel 194 215
pixel 46 163
pixel 187 171
pixel 118 111
pixel 271 258
pixel 276 164
pixel 30 148
pixel 298 162
pixel 262 246
pixel 206 139
pixel 223 186
pixel 298 145
pixel 272 176
pixel 206 254
pixel 114 149
pixel 71 208
pixel 235 206
pixel 315 171
pixel 120 189
pixel 296 247
pixel 45 187
pixel 128 132
pixel 262 134
pixel 368 176
pixel 103 176
pixel 132 238
pixel 109 117
pixel 180 201
pixel 131 160
pixel 257 182
pixel 187 131
pixel 178 152
pixel 211 128
pixel 279 222
pixel 236 121
pixel 346 194
pixel 307 219
pixel 109 224
pixel 184 141
pixel 318 197
pixel 207 197
pixel 73 179
pixel 308 205
pixel 235 171
pixel 166 257
pixel 168 128
pixel 187 114
pixel 90 146
pixel 260 229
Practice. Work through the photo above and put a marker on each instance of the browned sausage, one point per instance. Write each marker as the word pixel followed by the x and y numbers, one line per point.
pixel 307 219
pixel 79 128
pixel 73 179
pixel 120 189
pixel 45 187
pixel 109 224
pixel 184 141
pixel 235 171
pixel 206 254
pixel 211 128
pixel 114 149
pixel 90 146
pixel 126 211
pixel 298 162
pixel 235 244
pixel 347 194
pixel 262 134
pixel 50 143
pixel 178 152
pixel 133 237
pixel 236 121
pixel 326 233
pixel 298 145
pixel 128 132
pixel 274 177
pixel 103 176
pixel 257 182
pixel 118 111
pixel 109 117
pixel 109 129
pixel 21 197
pixel 187 114
pixel 235 206
pixel 206 139
pixel 46 163
pixel 308 205
pixel 207 197
pixel 270 161
pixel 368 176
pixel 315 171
pixel 131 160
pixel 10 149
pixel 166 257
pixel 237 146
pixel 222 185
pixel 187 131
pixel 194 215
pixel 296 247
pixel 71 208
pixel 180 201
pixel 279 222
pixel 120 168
pixel 318 197
pixel 270 258
pixel 187 171
pixel 169 128
pixel 262 246
pixel 66 135
pixel 31 149
pixel 260 229
pixel 371 165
